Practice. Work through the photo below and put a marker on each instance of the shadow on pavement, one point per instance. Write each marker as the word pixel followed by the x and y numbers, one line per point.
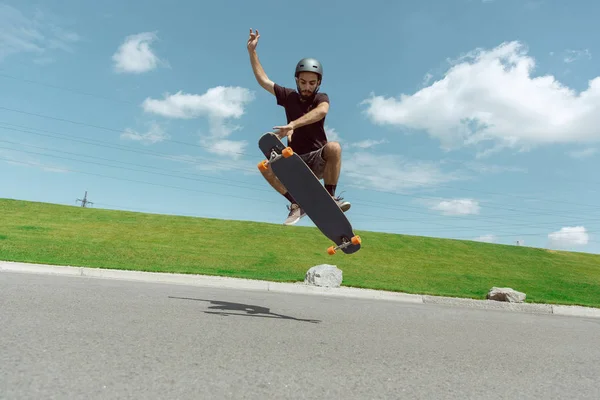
pixel 249 310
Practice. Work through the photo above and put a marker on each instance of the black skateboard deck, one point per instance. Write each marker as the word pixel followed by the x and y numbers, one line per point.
pixel 308 191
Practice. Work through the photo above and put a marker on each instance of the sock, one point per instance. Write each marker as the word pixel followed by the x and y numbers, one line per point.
pixel 288 196
pixel 330 189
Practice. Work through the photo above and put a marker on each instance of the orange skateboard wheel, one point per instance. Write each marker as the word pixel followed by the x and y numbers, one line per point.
pixel 287 152
pixel 262 166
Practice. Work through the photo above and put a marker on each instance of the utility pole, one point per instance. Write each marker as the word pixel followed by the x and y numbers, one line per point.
pixel 85 201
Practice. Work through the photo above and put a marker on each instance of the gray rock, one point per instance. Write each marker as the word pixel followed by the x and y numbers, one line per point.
pixel 506 294
pixel 324 275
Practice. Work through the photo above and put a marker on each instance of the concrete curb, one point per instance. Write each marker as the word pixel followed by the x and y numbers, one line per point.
pixel 300 288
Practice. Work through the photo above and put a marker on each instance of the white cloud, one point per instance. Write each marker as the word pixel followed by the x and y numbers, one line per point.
pixel 39 34
pixel 569 236
pixel 332 135
pixel 224 147
pixel 218 104
pixel 427 78
pixel 573 55
pixel 491 168
pixel 135 55
pixel 366 144
pixel 590 151
pixel 154 135
pixel 388 172
pixel 457 207
pixel 489 238
pixel 491 96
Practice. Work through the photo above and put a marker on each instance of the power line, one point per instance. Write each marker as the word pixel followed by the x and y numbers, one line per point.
pixel 101 143
pixel 163 155
pixel 105 128
pixel 143 182
pixel 386 218
pixel 453 227
pixel 169 175
pixel 65 88
pixel 119 167
pixel 225 183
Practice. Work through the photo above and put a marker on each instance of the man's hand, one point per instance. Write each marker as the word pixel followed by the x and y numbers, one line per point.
pixel 311 117
pixel 283 131
pixel 253 40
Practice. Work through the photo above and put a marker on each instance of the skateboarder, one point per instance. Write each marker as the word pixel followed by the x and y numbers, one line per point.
pixel 305 110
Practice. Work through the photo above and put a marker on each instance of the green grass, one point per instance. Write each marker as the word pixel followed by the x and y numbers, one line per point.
pixel 67 235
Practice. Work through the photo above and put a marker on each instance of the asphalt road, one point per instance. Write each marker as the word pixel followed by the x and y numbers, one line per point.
pixel 70 337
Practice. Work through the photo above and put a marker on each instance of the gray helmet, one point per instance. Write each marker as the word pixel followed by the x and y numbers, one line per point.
pixel 309 65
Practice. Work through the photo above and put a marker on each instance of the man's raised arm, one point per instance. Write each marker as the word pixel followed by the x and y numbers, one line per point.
pixel 259 72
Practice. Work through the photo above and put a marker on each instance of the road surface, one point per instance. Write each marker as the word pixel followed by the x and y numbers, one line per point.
pixel 74 337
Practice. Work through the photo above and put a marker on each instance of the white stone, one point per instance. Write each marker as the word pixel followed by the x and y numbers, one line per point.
pixel 324 275
pixel 506 294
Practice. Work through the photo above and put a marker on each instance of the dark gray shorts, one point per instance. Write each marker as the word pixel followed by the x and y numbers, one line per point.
pixel 315 161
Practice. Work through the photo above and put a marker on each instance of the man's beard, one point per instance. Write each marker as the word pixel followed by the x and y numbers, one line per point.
pixel 306 94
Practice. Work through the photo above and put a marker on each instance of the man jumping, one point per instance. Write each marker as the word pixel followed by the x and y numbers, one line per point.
pixel 305 109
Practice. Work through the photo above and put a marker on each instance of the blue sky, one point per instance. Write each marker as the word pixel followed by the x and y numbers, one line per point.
pixel 463 119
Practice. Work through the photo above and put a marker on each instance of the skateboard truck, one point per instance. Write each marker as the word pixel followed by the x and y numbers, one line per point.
pixel 264 164
pixel 345 243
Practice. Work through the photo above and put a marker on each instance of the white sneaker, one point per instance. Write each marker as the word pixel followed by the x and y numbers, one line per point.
pixel 343 204
pixel 296 213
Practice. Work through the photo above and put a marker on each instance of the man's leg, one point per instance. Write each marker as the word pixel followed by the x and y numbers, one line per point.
pixel 332 155
pixel 295 211
pixel 276 183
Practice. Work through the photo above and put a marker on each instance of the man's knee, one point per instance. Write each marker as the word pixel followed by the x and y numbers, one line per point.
pixel 332 150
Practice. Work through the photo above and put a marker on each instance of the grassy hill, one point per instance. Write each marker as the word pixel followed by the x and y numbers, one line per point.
pixel 65 235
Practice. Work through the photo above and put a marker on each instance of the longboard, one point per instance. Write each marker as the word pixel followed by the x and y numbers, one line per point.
pixel 307 190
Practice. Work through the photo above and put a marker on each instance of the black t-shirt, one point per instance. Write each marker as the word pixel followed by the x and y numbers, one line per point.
pixel 309 137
